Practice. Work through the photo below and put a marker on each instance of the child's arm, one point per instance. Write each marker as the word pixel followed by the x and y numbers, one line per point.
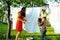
pixel 41 23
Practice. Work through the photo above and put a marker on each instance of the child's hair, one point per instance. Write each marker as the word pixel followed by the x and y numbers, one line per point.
pixel 44 18
pixel 39 19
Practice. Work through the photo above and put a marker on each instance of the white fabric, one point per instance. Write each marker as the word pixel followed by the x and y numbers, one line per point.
pixel 32 14
pixel 31 25
pixel 14 12
pixel 54 17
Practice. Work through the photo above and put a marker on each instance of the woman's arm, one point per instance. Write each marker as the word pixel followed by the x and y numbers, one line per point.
pixel 18 18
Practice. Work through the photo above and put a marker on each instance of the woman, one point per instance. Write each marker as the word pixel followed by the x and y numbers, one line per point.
pixel 20 21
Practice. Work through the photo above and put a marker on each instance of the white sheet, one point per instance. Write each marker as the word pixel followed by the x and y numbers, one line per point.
pixel 54 17
pixel 31 25
pixel 32 14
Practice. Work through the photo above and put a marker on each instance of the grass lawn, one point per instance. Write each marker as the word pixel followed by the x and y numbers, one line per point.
pixel 37 36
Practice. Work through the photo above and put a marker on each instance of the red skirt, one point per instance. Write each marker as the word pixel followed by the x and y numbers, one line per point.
pixel 19 26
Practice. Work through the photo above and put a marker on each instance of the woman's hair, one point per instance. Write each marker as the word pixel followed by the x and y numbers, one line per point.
pixel 23 8
pixel 23 11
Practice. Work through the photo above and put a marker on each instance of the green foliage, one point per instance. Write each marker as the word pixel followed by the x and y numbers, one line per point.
pixel 31 3
pixel 37 36
pixel 18 3
pixel 3 8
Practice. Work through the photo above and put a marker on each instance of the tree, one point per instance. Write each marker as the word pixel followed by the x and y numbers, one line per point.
pixel 9 24
pixel 17 3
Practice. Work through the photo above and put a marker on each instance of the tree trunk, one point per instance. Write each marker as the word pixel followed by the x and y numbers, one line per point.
pixel 9 23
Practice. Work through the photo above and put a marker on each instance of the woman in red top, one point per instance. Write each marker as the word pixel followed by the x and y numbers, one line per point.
pixel 20 21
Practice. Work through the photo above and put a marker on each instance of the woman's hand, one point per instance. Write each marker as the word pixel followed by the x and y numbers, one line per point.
pixel 23 21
